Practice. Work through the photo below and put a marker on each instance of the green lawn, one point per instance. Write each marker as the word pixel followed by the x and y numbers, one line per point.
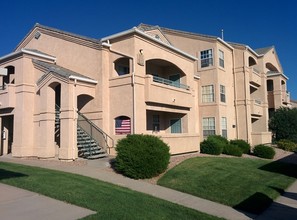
pixel 246 184
pixel 109 201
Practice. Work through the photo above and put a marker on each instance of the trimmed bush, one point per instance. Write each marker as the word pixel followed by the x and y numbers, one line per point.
pixel 243 145
pixel 141 156
pixel 287 145
pixel 232 149
pixel 211 146
pixel 219 139
pixel 264 151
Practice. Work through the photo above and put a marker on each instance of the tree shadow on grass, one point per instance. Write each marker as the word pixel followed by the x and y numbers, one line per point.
pixel 5 174
pixel 255 204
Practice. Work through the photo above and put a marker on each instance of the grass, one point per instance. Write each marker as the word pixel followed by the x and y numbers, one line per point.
pixel 109 201
pixel 246 184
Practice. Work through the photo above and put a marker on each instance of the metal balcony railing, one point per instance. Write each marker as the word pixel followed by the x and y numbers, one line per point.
pixel 170 82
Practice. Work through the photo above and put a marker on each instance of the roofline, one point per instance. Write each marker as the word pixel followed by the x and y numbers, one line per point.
pixel 136 30
pixel 225 43
pixel 253 52
pixel 39 55
pixel 278 74
pixel 24 51
pixel 82 79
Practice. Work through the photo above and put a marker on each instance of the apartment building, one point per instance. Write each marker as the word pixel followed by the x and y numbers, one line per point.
pixel 68 96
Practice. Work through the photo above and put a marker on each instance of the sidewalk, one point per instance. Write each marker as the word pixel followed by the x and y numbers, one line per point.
pixel 99 169
pixel 17 203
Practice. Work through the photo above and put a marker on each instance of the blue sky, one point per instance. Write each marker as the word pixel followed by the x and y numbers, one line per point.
pixel 257 23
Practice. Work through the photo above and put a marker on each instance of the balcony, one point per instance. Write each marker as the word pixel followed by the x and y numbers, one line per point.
pixel 164 91
pixel 170 83
pixel 285 97
pixel 7 96
pixel 255 77
pixel 256 107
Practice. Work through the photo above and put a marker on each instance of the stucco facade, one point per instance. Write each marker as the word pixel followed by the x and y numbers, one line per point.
pixel 57 88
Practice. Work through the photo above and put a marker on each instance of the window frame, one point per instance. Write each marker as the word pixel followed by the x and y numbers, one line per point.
pixel 221 58
pixel 208 126
pixel 180 125
pixel 223 93
pixel 206 58
pixel 208 95
pixel 156 123
pixel 224 130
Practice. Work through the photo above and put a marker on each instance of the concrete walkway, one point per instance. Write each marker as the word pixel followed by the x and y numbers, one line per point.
pixel 17 203
pixel 99 169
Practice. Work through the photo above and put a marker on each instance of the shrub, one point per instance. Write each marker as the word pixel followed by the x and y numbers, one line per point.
pixel 141 156
pixel 219 139
pixel 243 145
pixel 287 145
pixel 264 151
pixel 232 149
pixel 211 146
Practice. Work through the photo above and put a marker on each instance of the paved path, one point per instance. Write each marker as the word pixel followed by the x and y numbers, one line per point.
pixel 17 203
pixel 99 170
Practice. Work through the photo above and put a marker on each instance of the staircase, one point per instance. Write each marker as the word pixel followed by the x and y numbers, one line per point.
pixel 87 147
pixel 92 142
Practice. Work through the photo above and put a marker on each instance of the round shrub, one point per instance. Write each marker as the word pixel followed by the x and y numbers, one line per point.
pixel 219 139
pixel 243 145
pixel 232 149
pixel 287 145
pixel 264 151
pixel 141 156
pixel 211 146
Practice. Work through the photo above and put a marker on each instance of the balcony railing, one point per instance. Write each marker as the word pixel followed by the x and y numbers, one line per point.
pixel 170 82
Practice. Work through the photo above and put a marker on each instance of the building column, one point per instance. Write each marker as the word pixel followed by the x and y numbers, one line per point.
pixel 68 123
pixel 46 145
pixel 23 140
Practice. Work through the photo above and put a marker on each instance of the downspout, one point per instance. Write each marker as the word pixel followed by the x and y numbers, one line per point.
pixel 134 98
pixel 74 118
pixel 235 94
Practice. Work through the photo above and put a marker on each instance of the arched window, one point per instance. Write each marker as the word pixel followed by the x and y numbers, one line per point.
pixel 122 125
pixel 122 66
pixel 252 61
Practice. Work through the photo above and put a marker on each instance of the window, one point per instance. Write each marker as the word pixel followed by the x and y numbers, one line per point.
pixel 156 123
pixel 175 125
pixel 222 93
pixel 122 125
pixel 206 58
pixel 221 58
pixel 207 93
pixel 209 127
pixel 224 127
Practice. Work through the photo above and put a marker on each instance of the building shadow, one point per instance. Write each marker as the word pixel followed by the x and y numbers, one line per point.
pixel 5 174
pixel 255 204
pixel 278 211
pixel 286 166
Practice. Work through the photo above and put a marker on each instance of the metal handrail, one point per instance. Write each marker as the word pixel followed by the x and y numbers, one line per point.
pixel 170 82
pixel 96 128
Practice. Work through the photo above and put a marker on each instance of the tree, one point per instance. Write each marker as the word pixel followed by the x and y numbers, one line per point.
pixel 283 124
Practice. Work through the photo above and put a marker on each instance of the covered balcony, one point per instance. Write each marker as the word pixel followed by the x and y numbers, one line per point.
pixel 255 77
pixel 166 84
pixel 7 96
pixel 256 107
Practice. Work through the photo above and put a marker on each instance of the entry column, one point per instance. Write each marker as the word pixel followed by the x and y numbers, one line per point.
pixel 68 123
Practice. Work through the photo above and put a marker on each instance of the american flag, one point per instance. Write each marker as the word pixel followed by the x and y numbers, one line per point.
pixel 123 126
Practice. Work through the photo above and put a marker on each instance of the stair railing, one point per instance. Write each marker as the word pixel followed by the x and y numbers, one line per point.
pixel 103 139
